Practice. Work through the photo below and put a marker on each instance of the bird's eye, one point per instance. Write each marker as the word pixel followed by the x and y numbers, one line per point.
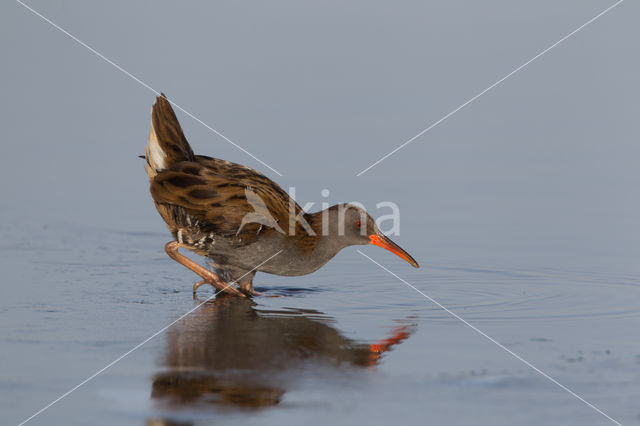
pixel 358 224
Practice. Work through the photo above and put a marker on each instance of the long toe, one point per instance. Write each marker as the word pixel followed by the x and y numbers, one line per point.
pixel 199 284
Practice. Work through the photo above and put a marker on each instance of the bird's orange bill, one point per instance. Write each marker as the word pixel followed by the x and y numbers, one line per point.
pixel 386 243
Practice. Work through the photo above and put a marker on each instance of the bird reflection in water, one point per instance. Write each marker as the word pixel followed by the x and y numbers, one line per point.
pixel 228 353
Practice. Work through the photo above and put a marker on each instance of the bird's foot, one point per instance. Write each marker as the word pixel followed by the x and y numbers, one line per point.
pixel 218 288
pixel 198 285
pixel 250 292
pixel 208 277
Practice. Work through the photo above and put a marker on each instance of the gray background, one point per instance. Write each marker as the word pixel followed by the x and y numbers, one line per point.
pixel 522 207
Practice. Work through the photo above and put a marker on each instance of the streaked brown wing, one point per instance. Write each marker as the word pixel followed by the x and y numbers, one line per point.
pixel 214 192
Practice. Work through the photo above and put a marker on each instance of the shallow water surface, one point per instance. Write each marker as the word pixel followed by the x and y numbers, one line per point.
pixel 350 343
pixel 521 208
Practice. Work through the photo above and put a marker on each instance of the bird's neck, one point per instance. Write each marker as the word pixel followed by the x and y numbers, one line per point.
pixel 324 223
pixel 325 226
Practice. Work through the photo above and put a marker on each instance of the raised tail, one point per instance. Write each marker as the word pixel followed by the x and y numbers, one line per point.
pixel 167 144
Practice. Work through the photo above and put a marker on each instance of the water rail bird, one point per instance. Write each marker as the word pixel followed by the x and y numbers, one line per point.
pixel 241 220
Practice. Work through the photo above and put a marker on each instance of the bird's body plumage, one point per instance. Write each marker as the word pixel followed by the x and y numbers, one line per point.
pixel 230 213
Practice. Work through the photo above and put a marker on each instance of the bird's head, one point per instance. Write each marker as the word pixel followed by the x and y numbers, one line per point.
pixel 352 225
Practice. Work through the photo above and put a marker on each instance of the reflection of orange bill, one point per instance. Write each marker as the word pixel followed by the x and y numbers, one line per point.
pixel 386 243
pixel 382 346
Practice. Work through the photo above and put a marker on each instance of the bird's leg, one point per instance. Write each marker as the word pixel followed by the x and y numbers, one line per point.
pixel 209 277
pixel 246 285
